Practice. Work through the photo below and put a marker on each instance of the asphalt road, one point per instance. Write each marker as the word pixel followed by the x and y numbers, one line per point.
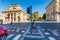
pixel 16 32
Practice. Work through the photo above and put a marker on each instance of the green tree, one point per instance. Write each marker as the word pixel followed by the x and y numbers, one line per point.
pixel 35 16
pixel 39 18
pixel 44 16
pixel 28 17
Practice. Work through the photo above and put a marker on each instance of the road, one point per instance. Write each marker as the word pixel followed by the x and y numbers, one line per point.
pixel 16 32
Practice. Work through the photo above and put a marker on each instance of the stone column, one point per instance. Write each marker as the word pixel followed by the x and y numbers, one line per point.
pixel 10 17
pixel 57 17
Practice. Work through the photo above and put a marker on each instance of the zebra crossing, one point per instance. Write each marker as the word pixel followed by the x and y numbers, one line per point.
pixel 51 38
pixel 18 36
pixel 15 33
pixel 11 35
pixel 51 34
pixel 14 37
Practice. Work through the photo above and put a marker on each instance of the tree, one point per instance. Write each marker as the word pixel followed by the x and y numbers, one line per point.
pixel 44 16
pixel 35 16
pixel 39 18
pixel 28 17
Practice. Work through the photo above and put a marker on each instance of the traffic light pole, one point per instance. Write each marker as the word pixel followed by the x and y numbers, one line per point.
pixel 31 18
pixel 29 10
pixel 31 14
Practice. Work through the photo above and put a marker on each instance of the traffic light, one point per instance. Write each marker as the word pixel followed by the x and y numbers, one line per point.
pixel 28 10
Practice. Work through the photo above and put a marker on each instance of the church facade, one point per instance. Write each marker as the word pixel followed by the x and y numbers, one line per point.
pixel 15 14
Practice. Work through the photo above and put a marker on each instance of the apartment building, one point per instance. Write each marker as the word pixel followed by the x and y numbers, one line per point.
pixel 53 11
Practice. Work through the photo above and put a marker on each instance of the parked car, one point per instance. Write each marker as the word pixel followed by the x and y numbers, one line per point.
pixel 3 33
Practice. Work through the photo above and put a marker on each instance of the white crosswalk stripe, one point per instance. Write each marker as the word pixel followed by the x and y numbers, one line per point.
pixel 51 38
pixel 55 33
pixel 8 29
pixel 49 29
pixel 47 33
pixel 23 31
pixel 43 29
pixel 13 30
pixel 11 35
pixel 17 37
pixel 17 30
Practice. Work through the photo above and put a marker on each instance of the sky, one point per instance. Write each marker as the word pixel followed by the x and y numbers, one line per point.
pixel 37 5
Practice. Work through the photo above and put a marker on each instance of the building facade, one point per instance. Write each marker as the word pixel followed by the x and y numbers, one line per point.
pixel 40 15
pixel 53 11
pixel 14 14
pixel 1 19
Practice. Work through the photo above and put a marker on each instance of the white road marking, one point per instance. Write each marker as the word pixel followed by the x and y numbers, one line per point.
pixel 9 36
pixel 21 27
pixel 49 29
pixel 42 35
pixel 17 30
pixel 43 29
pixel 13 30
pixel 8 29
pixel 17 37
pixel 47 33
pixel 51 38
pixel 55 33
pixel 25 28
pixel 55 29
pixel 23 31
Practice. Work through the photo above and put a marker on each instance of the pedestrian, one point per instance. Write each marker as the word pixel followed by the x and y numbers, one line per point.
pixel 32 27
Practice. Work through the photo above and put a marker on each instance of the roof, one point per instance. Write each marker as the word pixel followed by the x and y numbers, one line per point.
pixel 14 5
pixel 11 10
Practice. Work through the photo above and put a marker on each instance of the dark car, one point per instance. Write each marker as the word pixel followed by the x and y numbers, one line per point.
pixel 3 33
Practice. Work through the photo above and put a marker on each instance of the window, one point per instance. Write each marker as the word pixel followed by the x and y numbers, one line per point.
pixel 14 8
